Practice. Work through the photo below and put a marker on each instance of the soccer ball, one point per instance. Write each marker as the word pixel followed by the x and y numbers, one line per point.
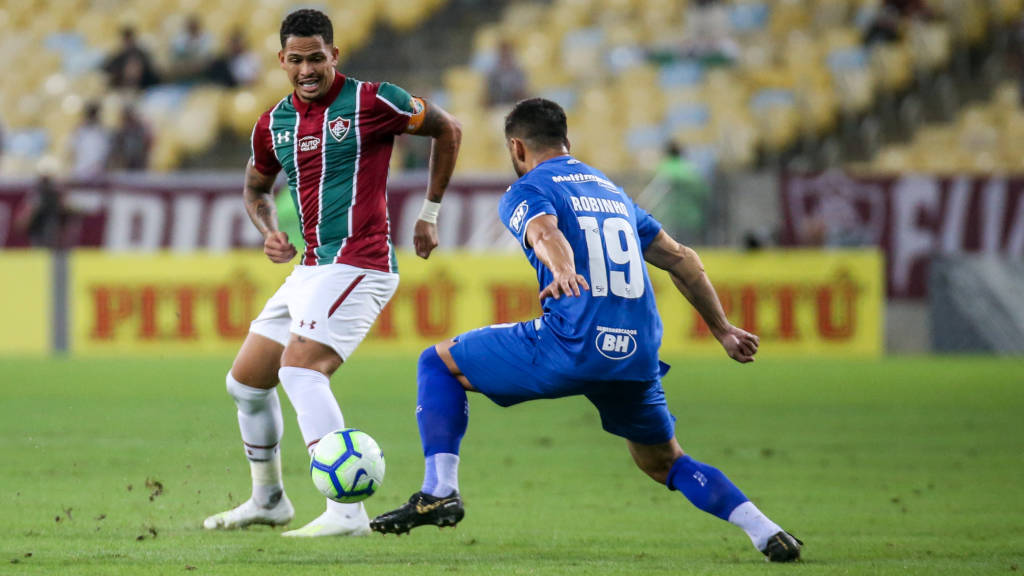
pixel 347 465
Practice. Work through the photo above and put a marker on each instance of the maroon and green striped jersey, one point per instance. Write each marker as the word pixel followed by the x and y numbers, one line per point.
pixel 335 152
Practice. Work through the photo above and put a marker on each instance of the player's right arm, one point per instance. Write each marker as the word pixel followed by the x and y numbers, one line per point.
pixel 260 174
pixel 551 248
pixel 259 203
pixel 687 273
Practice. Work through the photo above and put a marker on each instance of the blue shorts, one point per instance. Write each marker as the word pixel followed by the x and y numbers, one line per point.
pixel 500 361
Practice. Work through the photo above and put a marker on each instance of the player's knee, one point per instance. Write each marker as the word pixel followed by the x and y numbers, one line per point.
pixel 657 468
pixel 655 461
pixel 430 361
pixel 242 392
pixel 233 386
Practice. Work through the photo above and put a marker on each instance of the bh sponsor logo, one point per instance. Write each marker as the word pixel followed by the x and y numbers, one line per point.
pixel 516 222
pixel 615 343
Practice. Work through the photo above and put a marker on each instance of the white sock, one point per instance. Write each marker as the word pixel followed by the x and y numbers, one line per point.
pixel 315 405
pixel 757 526
pixel 318 413
pixel 267 488
pixel 447 470
pixel 261 425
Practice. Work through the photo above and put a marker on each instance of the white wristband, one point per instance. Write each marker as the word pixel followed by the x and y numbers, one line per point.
pixel 429 211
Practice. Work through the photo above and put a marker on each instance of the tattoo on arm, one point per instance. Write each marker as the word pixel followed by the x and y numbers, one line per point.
pixel 434 121
pixel 259 201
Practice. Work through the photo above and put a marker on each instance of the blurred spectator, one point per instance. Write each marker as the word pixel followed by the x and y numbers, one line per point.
pixel 130 67
pixel 909 8
pixel 131 142
pixel 89 144
pixel 1 143
pixel 708 33
pixel 237 65
pixel 191 52
pixel 506 81
pixel 45 216
pixel 886 25
pixel 678 197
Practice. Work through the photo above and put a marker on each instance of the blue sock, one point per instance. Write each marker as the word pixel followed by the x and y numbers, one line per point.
pixel 442 413
pixel 705 487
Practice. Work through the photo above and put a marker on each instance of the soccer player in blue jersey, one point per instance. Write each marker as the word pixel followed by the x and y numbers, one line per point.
pixel 598 336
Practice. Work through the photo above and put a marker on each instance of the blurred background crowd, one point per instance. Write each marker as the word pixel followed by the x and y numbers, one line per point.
pixel 740 123
pixel 733 84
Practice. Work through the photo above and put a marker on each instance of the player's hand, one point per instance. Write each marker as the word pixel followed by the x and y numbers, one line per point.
pixel 424 238
pixel 277 247
pixel 739 344
pixel 568 284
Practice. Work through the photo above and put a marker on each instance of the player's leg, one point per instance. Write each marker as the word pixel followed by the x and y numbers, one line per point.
pixel 252 382
pixel 442 414
pixel 638 412
pixel 496 360
pixel 710 490
pixel 329 320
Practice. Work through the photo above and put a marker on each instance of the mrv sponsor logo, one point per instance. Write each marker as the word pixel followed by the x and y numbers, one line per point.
pixel 615 343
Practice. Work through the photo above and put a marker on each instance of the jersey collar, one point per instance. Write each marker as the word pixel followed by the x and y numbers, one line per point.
pixel 322 102
pixel 560 158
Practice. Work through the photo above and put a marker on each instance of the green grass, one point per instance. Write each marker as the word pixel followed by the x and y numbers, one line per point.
pixel 904 466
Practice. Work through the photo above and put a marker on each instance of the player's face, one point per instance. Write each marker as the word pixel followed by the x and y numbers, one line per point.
pixel 310 63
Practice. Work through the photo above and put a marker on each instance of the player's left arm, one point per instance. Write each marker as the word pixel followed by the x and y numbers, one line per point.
pixel 687 272
pixel 433 121
pixel 551 248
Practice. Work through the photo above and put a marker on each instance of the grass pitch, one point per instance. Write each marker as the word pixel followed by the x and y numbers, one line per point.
pixel 902 466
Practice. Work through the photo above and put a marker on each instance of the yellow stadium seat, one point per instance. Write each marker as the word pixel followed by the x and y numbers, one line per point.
pixel 466 88
pixel 891 65
pixel 736 142
pixel 240 110
pixel 788 15
pixel 638 97
pixel 520 17
pixel 486 38
pixel 930 45
pixel 404 14
pixel 1006 11
pixel 893 159
pixel 537 52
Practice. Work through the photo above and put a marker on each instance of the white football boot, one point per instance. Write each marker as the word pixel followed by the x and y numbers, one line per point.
pixel 249 512
pixel 353 521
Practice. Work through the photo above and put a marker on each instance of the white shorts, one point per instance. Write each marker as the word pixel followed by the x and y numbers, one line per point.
pixel 334 304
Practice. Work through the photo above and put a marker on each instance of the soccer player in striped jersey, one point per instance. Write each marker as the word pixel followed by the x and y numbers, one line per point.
pixel 333 138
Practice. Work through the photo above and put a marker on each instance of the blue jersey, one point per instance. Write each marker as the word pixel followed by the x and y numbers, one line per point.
pixel 612 332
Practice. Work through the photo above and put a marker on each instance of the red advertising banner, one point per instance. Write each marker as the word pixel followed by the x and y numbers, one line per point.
pixel 911 217
pixel 187 212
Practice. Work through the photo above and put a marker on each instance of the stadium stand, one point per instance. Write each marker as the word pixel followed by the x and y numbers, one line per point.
pixel 739 83
pixel 41 109
pixel 775 77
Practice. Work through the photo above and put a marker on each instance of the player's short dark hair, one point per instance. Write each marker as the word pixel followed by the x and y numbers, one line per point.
pixel 541 123
pixel 307 22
